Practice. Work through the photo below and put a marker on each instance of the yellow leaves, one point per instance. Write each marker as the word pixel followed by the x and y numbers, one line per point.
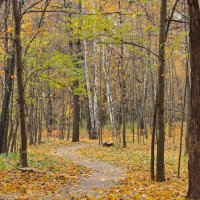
pixel 27 26
pixel 52 173
pixel 137 184
pixel 2 72
pixel 112 197
pixel 13 76
pixel 49 175
pixel 10 30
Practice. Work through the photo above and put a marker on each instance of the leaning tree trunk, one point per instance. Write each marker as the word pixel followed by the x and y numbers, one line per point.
pixel 194 128
pixel 20 84
pixel 160 176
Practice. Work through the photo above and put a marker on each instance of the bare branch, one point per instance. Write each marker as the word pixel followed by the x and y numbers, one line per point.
pixel 170 19
pixel 40 23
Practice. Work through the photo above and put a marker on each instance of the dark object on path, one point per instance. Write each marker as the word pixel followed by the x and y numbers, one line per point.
pixel 108 144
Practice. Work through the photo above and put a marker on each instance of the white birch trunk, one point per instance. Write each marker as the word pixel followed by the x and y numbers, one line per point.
pixel 108 90
pixel 88 85
pixel 96 110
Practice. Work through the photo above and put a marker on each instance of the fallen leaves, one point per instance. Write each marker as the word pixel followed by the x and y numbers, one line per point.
pixel 135 160
pixel 47 174
pixel 53 175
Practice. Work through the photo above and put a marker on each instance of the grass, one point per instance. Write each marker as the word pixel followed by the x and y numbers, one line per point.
pixel 135 160
pixel 51 172
pixel 54 172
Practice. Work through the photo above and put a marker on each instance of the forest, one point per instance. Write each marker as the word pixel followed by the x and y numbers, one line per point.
pixel 100 99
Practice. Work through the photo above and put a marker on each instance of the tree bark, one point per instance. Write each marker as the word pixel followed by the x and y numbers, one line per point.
pixel 96 108
pixel 111 109
pixel 194 135
pixel 9 72
pixel 91 123
pixel 160 176
pixel 76 118
pixel 21 94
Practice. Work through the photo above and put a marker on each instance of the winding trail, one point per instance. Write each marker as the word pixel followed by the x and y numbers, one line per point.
pixel 103 175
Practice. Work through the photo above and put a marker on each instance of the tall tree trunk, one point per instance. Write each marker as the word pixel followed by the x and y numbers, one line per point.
pixel 171 101
pixel 96 109
pixel 90 115
pixel 194 135
pixel 188 81
pixel 76 118
pixel 122 80
pixel 63 117
pixel 20 84
pixel 6 102
pixel 111 109
pixel 182 127
pixel 153 144
pixel 49 115
pixel 160 176
pixel 9 71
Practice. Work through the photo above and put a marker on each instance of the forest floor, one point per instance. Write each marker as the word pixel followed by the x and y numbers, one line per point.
pixel 49 177
pixel 86 170
pixel 103 175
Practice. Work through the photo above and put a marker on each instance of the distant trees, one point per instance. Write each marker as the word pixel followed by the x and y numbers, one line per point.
pixel 91 61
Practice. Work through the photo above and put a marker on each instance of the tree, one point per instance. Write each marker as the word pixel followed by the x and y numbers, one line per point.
pixel 9 72
pixel 20 84
pixel 194 125
pixel 160 176
pixel 76 97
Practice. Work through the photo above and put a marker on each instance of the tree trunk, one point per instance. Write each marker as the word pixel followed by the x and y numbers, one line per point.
pixel 76 119
pixel 76 106
pixel 6 102
pixel 20 84
pixel 9 71
pixel 111 108
pixel 160 176
pixel 91 123
pixel 194 135
pixel 153 144
pixel 96 109
pixel 188 81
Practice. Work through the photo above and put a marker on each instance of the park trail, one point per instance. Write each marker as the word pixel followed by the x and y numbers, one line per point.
pixel 103 175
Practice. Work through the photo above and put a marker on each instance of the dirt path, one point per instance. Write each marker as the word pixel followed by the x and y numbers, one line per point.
pixel 103 175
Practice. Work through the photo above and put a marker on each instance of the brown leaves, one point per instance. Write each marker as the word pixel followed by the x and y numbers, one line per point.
pixel 137 184
pixel 48 175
